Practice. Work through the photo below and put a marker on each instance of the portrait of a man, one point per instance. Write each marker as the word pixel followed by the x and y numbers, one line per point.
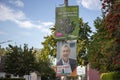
pixel 66 64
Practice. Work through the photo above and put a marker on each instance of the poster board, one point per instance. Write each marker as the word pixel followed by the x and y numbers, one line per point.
pixel 67 22
pixel 66 57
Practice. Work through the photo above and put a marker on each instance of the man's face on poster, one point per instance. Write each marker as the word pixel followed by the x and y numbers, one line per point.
pixel 65 53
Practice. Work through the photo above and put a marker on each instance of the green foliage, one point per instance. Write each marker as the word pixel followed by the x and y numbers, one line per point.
pixel 2 51
pixel 45 69
pixel 110 76
pixel 43 65
pixel 97 43
pixel 102 51
pixel 83 42
pixel 20 61
pixel 49 46
pixel 104 46
pixel 12 79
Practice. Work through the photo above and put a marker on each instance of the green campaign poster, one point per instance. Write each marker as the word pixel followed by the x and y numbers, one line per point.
pixel 67 26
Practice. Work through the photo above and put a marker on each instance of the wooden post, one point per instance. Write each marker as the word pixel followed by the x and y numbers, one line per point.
pixel 66 2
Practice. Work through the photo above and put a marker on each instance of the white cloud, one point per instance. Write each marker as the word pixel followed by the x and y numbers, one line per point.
pixel 19 18
pixel 3 33
pixel 18 3
pixel 9 14
pixel 24 24
pixel 90 4
pixel 47 23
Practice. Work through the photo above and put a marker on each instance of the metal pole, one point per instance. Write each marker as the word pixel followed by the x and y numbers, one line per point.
pixel 66 2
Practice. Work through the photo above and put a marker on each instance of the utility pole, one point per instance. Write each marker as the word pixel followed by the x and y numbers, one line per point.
pixel 66 2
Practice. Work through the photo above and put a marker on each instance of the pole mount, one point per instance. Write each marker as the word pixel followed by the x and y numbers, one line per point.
pixel 66 2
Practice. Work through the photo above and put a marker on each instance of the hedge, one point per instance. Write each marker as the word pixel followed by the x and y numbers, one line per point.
pixel 12 79
pixel 110 76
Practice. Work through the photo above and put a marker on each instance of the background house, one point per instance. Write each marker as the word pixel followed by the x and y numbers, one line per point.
pixel 35 75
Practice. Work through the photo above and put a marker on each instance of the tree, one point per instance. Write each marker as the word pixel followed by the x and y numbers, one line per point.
pixel 45 69
pixel 49 46
pixel 104 50
pixel 96 56
pixel 20 61
pixel 43 66
pixel 83 42
pixel 112 23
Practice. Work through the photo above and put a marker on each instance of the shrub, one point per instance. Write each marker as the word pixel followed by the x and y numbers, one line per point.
pixel 12 79
pixel 110 76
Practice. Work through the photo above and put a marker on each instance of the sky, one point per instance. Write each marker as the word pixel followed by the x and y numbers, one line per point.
pixel 29 21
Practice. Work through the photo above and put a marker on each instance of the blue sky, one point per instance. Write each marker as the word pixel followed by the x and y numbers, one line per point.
pixel 28 21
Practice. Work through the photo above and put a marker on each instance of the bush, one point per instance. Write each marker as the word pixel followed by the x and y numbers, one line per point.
pixel 12 79
pixel 110 76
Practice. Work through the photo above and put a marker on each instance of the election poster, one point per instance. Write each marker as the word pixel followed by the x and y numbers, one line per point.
pixel 67 22
pixel 66 57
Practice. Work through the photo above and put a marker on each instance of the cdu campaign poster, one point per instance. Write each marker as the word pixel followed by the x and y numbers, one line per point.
pixel 67 22
pixel 66 58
